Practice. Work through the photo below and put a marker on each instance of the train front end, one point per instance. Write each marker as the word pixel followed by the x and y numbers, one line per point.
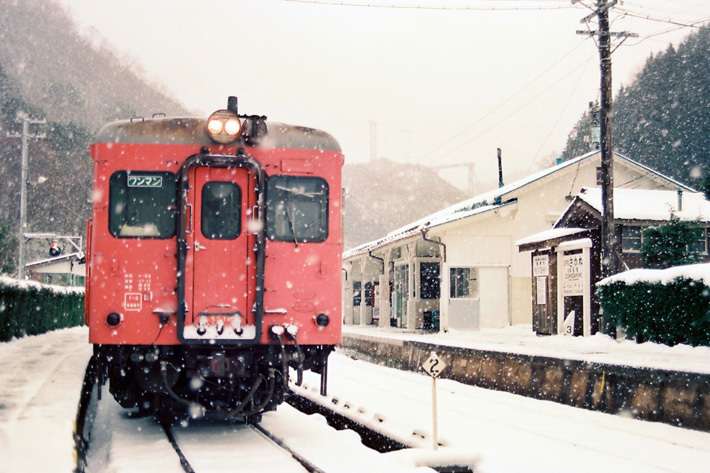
pixel 213 260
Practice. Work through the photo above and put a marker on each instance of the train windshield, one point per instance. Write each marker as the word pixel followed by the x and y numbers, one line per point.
pixel 141 204
pixel 297 209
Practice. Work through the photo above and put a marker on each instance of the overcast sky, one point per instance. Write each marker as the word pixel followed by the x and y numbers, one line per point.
pixel 442 86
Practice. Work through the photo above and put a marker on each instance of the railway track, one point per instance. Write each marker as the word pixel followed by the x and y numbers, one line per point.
pixel 267 436
pixel 248 447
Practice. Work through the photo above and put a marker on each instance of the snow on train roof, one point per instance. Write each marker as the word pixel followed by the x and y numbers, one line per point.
pixel 193 131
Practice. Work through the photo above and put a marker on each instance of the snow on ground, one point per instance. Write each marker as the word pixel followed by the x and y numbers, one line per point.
pixel 599 348
pixel 502 432
pixel 494 431
pixel 40 385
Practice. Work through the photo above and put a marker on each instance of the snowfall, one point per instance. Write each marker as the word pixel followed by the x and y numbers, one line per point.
pixel 488 431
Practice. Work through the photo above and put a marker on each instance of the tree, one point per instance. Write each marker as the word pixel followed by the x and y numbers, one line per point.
pixel 662 119
pixel 672 244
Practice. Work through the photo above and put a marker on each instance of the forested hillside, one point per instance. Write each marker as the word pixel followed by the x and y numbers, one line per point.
pixel 49 71
pixel 662 119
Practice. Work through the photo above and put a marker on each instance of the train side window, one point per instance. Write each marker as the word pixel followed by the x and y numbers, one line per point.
pixel 141 204
pixel 221 210
pixel 297 209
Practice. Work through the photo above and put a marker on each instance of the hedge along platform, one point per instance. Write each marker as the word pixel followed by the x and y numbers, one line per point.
pixel 673 397
pixel 30 308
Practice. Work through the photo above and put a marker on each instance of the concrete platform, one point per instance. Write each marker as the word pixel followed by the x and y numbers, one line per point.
pixel 645 382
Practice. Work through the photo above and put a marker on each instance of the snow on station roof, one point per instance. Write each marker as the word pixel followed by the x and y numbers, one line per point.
pixel 655 205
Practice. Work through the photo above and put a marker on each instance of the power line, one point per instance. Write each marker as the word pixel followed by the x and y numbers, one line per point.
pixel 500 105
pixel 514 111
pixel 669 21
pixel 430 7
pixel 569 99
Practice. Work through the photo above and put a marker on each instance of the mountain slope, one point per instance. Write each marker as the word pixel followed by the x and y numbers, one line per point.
pixel 64 74
pixel 382 196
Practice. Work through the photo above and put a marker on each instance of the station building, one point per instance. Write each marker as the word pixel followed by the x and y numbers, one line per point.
pixel 566 260
pixel 459 268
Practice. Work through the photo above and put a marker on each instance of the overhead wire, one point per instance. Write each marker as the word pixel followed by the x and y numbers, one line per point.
pixel 504 102
pixel 569 99
pixel 583 64
pixel 562 6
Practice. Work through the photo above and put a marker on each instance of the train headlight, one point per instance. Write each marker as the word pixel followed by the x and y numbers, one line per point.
pixel 224 126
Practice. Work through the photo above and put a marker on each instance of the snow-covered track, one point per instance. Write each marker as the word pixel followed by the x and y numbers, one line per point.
pixel 296 456
pixel 262 432
pixel 370 438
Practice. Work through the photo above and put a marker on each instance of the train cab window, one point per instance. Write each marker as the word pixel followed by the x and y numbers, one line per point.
pixel 141 204
pixel 297 209
pixel 221 210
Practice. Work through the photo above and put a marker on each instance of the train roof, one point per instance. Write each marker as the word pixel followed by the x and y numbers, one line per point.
pixel 192 131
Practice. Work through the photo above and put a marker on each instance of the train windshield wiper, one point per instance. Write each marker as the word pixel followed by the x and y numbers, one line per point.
pixel 290 224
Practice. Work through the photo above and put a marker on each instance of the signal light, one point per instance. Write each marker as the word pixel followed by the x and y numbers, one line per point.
pixel 224 126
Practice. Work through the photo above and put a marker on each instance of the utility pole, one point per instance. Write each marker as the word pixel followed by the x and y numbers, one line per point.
pixel 610 260
pixel 26 122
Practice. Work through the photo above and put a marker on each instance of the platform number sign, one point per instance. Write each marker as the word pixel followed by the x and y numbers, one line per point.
pixel 433 365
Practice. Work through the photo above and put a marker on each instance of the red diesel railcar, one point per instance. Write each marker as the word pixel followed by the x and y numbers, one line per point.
pixel 213 260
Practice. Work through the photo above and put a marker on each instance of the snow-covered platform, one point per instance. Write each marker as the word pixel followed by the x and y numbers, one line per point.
pixel 647 381
pixel 495 432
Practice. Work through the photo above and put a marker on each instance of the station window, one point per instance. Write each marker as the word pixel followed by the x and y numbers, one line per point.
pixel 141 204
pixel 429 280
pixel 701 244
pixel 221 210
pixel 631 238
pixel 464 283
pixel 357 294
pixel 297 209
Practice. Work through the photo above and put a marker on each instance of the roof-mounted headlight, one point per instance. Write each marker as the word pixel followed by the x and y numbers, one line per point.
pixel 224 126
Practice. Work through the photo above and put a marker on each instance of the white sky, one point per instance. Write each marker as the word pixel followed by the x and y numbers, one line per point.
pixel 442 86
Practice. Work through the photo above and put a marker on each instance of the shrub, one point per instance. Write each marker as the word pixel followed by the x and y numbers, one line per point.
pixel 672 313
pixel 31 308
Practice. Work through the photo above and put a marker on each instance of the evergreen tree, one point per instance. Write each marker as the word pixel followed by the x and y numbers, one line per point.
pixel 672 244
pixel 662 119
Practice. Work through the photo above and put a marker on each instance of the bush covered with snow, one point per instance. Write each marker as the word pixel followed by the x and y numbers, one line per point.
pixel 665 306
pixel 28 308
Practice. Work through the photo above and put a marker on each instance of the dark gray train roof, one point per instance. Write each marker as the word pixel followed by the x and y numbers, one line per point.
pixel 193 131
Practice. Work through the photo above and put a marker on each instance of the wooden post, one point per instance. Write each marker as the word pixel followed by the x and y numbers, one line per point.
pixel 434 416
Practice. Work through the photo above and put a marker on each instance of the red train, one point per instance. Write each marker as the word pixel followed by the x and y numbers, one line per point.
pixel 213 260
